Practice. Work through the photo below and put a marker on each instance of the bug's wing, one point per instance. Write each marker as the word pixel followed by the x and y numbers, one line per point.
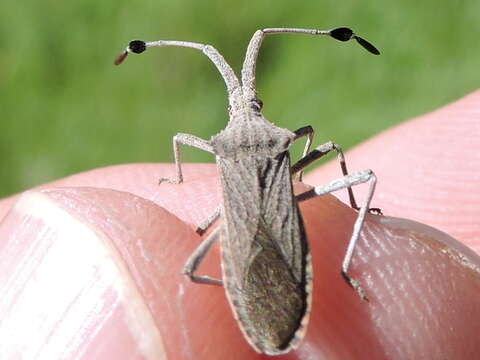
pixel 282 217
pixel 272 304
pixel 266 262
pixel 241 203
pixel 259 199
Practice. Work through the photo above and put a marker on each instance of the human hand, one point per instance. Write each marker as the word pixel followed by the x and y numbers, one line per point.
pixel 95 271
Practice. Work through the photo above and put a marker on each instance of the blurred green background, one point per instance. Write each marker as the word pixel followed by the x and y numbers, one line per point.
pixel 65 108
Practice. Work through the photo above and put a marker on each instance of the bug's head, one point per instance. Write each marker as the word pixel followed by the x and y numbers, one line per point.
pixel 135 47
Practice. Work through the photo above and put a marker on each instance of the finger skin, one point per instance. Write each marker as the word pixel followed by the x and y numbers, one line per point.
pixel 423 292
pixel 422 285
pixel 142 180
pixel 428 169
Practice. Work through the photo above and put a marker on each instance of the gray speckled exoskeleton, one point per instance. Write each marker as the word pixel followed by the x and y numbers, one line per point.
pixel 266 262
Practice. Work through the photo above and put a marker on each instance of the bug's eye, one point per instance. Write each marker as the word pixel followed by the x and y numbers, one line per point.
pixel 257 104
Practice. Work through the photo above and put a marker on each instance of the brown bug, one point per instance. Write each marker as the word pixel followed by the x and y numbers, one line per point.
pixel 266 262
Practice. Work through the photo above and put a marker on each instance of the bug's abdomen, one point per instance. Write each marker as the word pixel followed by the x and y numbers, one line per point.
pixel 271 304
pixel 276 301
pixel 265 256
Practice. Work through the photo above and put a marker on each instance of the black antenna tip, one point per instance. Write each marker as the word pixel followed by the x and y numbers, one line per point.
pixel 369 47
pixel 345 34
pixel 137 46
pixel 341 33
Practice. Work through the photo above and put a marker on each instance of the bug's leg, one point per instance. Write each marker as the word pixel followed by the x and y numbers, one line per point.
pixel 299 133
pixel 346 181
pixel 320 151
pixel 316 154
pixel 204 225
pixel 196 258
pixel 185 139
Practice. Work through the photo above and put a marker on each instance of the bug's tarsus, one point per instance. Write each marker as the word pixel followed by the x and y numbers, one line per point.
pixel 207 280
pixel 184 139
pixel 170 181
pixel 355 285
pixel 197 257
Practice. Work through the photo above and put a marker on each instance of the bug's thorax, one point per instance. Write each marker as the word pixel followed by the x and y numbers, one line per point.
pixel 248 132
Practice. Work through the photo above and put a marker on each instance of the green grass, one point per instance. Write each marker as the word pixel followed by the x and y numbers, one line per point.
pixel 65 108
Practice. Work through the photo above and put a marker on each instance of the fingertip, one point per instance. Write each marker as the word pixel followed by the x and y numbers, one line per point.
pixel 84 263
pixel 427 169
pixel 413 275
pixel 199 193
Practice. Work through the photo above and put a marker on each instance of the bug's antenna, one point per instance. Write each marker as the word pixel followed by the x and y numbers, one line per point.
pixel 139 46
pixel 120 58
pixel 345 34
pixel 135 46
pixel 249 65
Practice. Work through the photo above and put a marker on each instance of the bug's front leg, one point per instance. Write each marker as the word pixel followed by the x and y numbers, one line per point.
pixel 299 133
pixel 197 257
pixel 185 139
pixel 342 183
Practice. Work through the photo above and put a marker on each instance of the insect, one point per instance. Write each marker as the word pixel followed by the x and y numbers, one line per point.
pixel 266 262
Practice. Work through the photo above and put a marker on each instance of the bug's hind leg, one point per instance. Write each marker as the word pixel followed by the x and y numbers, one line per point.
pixel 347 181
pixel 197 257
pixel 318 153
